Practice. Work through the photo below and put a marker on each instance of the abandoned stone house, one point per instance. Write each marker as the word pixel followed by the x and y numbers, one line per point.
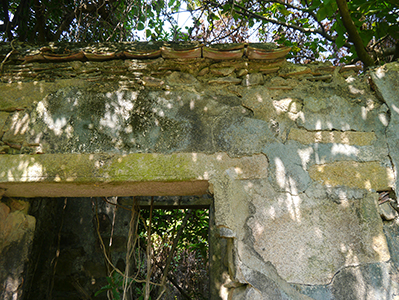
pixel 300 160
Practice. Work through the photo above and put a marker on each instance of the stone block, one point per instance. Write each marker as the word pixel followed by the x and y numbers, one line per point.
pixel 243 136
pixel 330 108
pixel 225 80
pixel 335 137
pixel 287 168
pixel 180 78
pixel 387 212
pixel 20 96
pixel 16 236
pixel 364 175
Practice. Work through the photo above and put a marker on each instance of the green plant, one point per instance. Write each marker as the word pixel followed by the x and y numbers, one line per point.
pixel 115 286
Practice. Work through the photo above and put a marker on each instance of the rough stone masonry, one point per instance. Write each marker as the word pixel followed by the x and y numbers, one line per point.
pixel 297 158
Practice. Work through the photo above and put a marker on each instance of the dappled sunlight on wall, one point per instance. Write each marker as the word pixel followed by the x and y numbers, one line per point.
pixel 26 170
pixel 337 232
pixel 294 164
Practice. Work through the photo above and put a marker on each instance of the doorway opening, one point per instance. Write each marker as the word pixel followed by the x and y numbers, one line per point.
pixel 121 248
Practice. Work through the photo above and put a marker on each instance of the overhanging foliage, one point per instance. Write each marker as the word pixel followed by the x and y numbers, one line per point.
pixel 318 29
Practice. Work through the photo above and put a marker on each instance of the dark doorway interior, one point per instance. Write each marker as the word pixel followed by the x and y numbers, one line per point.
pixel 81 242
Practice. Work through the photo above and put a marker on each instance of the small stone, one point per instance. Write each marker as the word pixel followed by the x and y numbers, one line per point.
pixel 181 78
pixel 292 70
pixel 225 80
pixel 76 64
pixel 223 71
pixel 252 79
pixel 19 205
pixel 152 82
pixel 4 149
pixel 319 78
pixel 203 72
pixel 269 70
pixel 226 232
pixel 242 72
pixel 387 212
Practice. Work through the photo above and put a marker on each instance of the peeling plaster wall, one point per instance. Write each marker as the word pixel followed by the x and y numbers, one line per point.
pixel 294 162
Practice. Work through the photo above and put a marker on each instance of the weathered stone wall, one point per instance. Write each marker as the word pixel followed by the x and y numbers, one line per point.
pixel 297 157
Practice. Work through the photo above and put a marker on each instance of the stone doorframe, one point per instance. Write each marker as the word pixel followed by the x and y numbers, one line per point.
pixel 91 175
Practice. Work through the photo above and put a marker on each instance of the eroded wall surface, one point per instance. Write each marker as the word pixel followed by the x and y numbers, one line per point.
pixel 299 159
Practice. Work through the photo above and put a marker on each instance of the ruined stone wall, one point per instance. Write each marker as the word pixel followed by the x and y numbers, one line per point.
pixel 299 159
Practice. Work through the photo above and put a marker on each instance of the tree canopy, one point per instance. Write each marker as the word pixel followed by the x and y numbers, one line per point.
pixel 337 30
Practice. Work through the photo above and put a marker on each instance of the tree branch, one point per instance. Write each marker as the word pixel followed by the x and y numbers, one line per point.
pixel 40 22
pixel 310 13
pixel 245 12
pixel 354 34
pixel 64 25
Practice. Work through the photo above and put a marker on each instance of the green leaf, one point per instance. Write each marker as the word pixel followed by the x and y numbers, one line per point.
pixel 226 7
pixel 315 4
pixel 282 9
pixel 331 8
pixel 394 32
pixel 340 41
pixel 366 36
pixel 140 26
pixel 321 13
pixel 103 289
pixel 116 295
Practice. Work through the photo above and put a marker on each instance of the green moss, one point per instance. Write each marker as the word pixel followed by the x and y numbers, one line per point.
pixel 152 167
pixel 264 46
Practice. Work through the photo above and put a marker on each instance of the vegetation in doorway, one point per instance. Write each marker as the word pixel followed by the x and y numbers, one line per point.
pixel 167 255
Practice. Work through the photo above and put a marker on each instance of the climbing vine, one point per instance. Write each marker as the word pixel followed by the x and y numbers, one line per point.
pixel 167 253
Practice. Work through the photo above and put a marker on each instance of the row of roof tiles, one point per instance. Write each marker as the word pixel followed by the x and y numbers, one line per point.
pixel 70 52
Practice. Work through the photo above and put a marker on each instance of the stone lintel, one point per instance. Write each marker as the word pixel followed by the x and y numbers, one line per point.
pixel 89 175
pixel 364 175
